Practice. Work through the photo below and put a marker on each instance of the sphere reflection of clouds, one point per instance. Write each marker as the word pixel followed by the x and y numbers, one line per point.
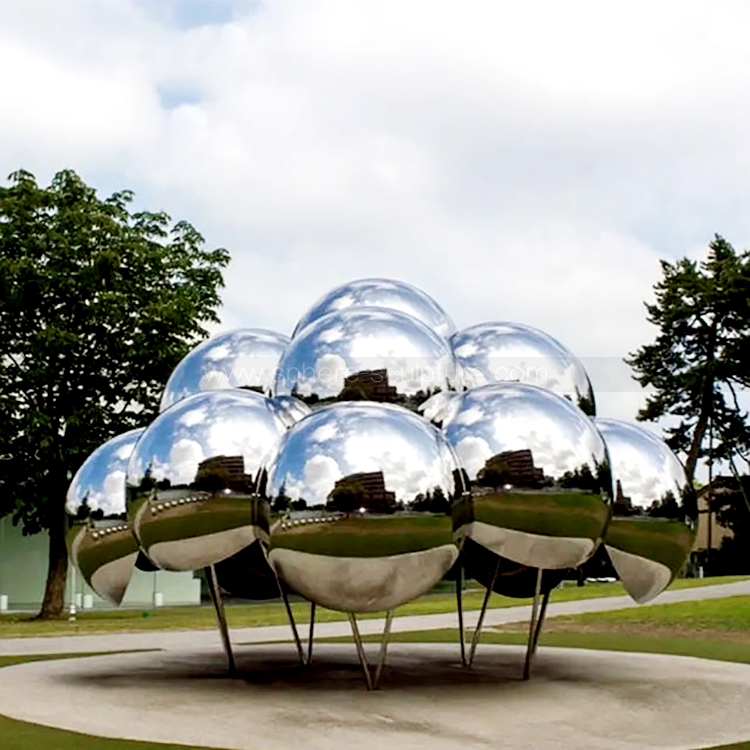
pixel 100 539
pixel 385 293
pixel 349 438
pixel 99 484
pixel 192 478
pixel 366 354
pixel 540 480
pixel 244 358
pixel 228 423
pixel 499 352
pixel 653 529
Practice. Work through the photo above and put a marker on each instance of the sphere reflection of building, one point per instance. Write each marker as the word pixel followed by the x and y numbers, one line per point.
pixel 366 354
pixel 191 479
pixel 541 487
pixel 100 541
pixel 368 467
pixel 655 511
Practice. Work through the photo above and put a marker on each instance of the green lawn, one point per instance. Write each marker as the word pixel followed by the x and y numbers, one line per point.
pixel 368 537
pixel 273 613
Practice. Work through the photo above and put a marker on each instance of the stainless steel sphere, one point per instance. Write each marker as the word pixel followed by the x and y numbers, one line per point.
pixel 192 478
pixel 500 352
pixel 372 485
pixel 655 511
pixel 541 486
pixel 100 540
pixel 245 358
pixel 384 293
pixel 366 354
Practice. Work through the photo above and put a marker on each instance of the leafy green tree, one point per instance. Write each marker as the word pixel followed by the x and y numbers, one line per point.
pixel 97 305
pixel 700 358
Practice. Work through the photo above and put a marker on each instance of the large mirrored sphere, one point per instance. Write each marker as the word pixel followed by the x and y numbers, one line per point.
pixel 245 358
pixel 541 486
pixel 501 352
pixel 100 540
pixel 366 354
pixel 384 293
pixel 192 479
pixel 362 496
pixel 655 510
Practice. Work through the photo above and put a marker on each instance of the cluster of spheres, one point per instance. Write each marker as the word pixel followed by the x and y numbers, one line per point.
pixel 372 454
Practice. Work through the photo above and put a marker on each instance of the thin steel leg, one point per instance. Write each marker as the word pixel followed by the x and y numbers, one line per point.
pixel 383 648
pixel 310 636
pixel 292 624
pixel 459 607
pixel 360 650
pixel 478 630
pixel 213 589
pixel 534 625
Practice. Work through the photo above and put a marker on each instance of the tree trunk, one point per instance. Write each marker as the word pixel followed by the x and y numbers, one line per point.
pixel 53 604
pixel 707 404
pixel 698 435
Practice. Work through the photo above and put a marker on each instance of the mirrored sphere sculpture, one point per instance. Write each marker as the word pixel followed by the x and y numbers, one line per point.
pixel 191 479
pixel 366 354
pixel 655 511
pixel 385 293
pixel 501 352
pixel 376 482
pixel 245 358
pixel 541 486
pixel 100 540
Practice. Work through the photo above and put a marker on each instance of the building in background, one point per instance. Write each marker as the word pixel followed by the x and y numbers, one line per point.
pixel 23 574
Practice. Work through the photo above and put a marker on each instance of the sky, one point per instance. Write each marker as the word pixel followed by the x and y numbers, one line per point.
pixel 529 162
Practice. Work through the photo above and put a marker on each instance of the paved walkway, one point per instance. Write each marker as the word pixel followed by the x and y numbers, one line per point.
pixel 587 700
pixel 208 639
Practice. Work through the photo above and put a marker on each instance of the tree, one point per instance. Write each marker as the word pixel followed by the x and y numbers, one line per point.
pixel 701 357
pixel 97 306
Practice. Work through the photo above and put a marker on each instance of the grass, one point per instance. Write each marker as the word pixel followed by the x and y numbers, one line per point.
pixel 368 537
pixel 709 629
pixel 272 613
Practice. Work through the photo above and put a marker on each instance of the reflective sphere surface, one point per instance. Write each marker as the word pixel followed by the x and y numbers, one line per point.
pixel 245 358
pixel 366 354
pixel 541 486
pixel 501 352
pixel 384 293
pixel 191 480
pixel 655 511
pixel 289 409
pixel 100 540
pixel 371 486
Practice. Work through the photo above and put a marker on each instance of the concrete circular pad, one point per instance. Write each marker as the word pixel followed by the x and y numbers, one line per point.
pixel 575 699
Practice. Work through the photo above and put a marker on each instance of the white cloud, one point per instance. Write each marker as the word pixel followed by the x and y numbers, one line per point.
pixel 525 162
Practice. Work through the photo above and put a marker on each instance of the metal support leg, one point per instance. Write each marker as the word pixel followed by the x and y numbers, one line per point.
pixel 478 630
pixel 213 589
pixel 383 648
pixel 292 624
pixel 310 635
pixel 360 650
pixel 535 626
pixel 459 607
